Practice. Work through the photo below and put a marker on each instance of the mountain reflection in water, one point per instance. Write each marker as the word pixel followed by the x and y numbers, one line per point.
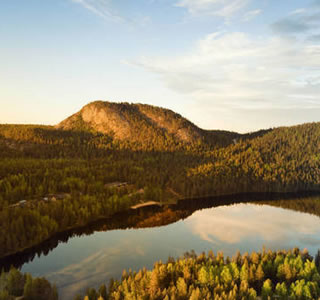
pixel 90 256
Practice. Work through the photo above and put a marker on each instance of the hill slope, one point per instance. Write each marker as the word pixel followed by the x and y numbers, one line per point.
pixel 143 124
pixel 285 159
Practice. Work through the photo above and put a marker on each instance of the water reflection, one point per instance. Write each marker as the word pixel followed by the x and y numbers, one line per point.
pixel 90 270
pixel 92 255
pixel 237 223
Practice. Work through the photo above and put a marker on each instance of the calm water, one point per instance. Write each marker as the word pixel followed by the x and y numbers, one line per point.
pixel 90 260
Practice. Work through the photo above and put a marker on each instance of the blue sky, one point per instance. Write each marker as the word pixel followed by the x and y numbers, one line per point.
pixel 239 65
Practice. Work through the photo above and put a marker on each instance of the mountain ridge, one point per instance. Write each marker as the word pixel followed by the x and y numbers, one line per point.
pixel 131 126
pixel 143 123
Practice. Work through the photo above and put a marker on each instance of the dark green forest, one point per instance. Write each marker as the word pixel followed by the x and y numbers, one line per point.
pixel 14 284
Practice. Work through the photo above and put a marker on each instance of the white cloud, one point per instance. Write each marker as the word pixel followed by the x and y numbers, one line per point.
pixel 223 8
pixel 251 14
pixel 235 71
pixel 298 11
pixel 101 8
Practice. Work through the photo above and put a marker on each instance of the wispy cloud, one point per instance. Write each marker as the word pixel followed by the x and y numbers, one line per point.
pixel 298 11
pixel 104 9
pixel 251 14
pixel 236 72
pixel 223 8
pixel 101 8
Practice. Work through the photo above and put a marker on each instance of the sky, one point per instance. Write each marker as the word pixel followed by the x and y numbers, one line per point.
pixel 238 65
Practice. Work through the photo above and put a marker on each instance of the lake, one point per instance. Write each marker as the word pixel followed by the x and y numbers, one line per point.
pixel 90 256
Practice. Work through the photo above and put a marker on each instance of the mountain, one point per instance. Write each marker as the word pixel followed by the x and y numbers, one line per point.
pixel 125 121
pixel 120 126
pixel 143 124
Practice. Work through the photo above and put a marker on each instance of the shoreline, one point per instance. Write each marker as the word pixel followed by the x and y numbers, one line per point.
pixel 242 198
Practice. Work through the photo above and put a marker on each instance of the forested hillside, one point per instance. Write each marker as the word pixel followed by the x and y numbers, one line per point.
pixel 285 159
pixel 53 179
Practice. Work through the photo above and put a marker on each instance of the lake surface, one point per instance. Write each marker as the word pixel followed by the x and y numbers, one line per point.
pixel 89 260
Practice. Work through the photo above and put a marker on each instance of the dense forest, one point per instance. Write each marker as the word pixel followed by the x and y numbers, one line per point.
pixel 285 159
pixel 86 168
pixel 15 285
pixel 282 275
pixel 270 275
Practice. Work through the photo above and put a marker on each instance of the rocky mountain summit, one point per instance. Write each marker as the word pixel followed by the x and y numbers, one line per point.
pixel 142 123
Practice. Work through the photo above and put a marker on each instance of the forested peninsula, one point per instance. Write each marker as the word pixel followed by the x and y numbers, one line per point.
pixel 111 156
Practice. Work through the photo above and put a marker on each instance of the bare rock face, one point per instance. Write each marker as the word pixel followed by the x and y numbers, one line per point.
pixel 123 121
pixel 106 120
pixel 142 124
pixel 101 117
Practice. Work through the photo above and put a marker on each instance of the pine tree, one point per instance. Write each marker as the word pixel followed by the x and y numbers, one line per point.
pixel 182 288
pixel 103 292
pixel 154 282
pixel 28 289
pixel 266 291
pixel 259 273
